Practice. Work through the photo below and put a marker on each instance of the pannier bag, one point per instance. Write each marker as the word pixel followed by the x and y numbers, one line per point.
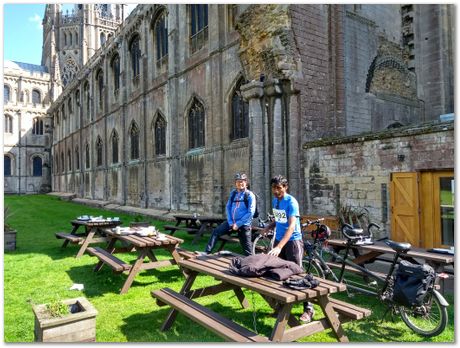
pixel 412 282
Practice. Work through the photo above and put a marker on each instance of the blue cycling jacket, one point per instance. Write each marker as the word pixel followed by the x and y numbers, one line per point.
pixel 237 211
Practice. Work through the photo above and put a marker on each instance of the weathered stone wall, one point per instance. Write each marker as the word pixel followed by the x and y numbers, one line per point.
pixel 434 38
pixel 21 145
pixel 356 170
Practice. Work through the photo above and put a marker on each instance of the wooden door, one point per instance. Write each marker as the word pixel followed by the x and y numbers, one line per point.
pixel 404 198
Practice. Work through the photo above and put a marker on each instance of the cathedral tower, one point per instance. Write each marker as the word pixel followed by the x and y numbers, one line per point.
pixel 71 38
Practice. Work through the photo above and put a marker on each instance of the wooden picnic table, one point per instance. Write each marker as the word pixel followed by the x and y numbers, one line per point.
pixel 370 253
pixel 207 224
pixel 143 245
pixel 274 292
pixel 92 233
pixel 194 224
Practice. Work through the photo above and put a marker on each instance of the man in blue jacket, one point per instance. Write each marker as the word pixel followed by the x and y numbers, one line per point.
pixel 241 206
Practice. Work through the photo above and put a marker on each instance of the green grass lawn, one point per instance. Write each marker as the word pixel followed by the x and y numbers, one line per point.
pixel 40 271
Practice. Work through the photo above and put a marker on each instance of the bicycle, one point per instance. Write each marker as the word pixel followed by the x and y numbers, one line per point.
pixel 427 319
pixel 263 242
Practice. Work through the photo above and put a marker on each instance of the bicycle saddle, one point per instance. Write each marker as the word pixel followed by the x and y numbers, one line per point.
pixel 352 233
pixel 398 247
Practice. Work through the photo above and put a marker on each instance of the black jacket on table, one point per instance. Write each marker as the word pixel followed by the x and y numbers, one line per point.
pixel 264 265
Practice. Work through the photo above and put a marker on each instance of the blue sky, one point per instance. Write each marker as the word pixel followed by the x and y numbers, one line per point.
pixel 22 31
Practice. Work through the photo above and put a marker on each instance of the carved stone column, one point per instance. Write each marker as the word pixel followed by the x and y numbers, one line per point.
pixel 253 92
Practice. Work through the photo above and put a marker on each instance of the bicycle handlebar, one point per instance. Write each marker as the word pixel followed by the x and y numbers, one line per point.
pixel 312 222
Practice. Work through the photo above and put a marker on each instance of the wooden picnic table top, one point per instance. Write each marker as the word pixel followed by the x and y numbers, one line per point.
pixel 139 241
pixel 382 248
pixel 201 218
pixel 217 266
pixel 96 223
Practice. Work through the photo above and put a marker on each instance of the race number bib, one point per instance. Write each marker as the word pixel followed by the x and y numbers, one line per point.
pixel 280 215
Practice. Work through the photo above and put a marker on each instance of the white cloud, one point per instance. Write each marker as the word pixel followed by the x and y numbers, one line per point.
pixel 129 8
pixel 37 19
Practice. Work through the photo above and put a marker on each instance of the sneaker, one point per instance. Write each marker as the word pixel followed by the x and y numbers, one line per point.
pixel 307 316
pixel 201 253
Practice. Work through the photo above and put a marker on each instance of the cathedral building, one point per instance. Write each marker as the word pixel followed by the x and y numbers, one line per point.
pixel 160 109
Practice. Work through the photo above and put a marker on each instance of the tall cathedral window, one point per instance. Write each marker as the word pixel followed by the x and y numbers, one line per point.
pixel 37 127
pixel 198 26
pixel 161 36
pixel 62 162
pixel 100 89
pixel 77 158
pixel 87 99
pixel 114 147
pixel 196 125
pixel 115 65
pixel 160 135
pixel 36 97
pixel 87 158
pixel 134 139
pixel 69 105
pixel 6 93
pixel 6 165
pixel 99 148
pixel 37 167
pixel 69 159
pixel 8 124
pixel 240 115
pixel 102 38
pixel 135 51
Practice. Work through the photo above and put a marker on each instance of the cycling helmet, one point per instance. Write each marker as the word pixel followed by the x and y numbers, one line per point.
pixel 241 176
pixel 323 232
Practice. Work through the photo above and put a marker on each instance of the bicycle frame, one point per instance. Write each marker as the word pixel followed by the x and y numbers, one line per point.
pixel 363 271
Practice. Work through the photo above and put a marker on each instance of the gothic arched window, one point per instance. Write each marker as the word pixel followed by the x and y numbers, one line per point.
pixel 69 105
pixel 196 125
pixel 198 26
pixel 87 158
pixel 100 88
pixel 37 166
pixel 161 36
pixel 37 127
pixel 240 115
pixel 160 136
pixel 115 65
pixel 36 96
pixel 62 162
pixel 135 51
pixel 99 148
pixel 114 140
pixel 87 99
pixel 6 93
pixel 69 159
pixel 102 38
pixel 134 139
pixel 7 165
pixel 77 158
pixel 8 124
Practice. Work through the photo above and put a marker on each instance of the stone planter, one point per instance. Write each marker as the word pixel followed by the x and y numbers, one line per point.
pixel 9 240
pixel 79 326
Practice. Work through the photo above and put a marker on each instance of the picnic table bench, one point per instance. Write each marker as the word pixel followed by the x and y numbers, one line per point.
pixel 143 245
pixel 274 292
pixel 91 235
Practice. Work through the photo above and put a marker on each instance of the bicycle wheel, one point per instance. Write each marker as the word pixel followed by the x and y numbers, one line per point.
pixel 313 267
pixel 429 319
pixel 262 244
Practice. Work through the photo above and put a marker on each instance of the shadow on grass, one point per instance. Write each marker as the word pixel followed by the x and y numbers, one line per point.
pixel 106 281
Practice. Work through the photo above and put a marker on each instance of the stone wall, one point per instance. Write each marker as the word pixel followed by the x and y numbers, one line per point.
pixel 356 170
